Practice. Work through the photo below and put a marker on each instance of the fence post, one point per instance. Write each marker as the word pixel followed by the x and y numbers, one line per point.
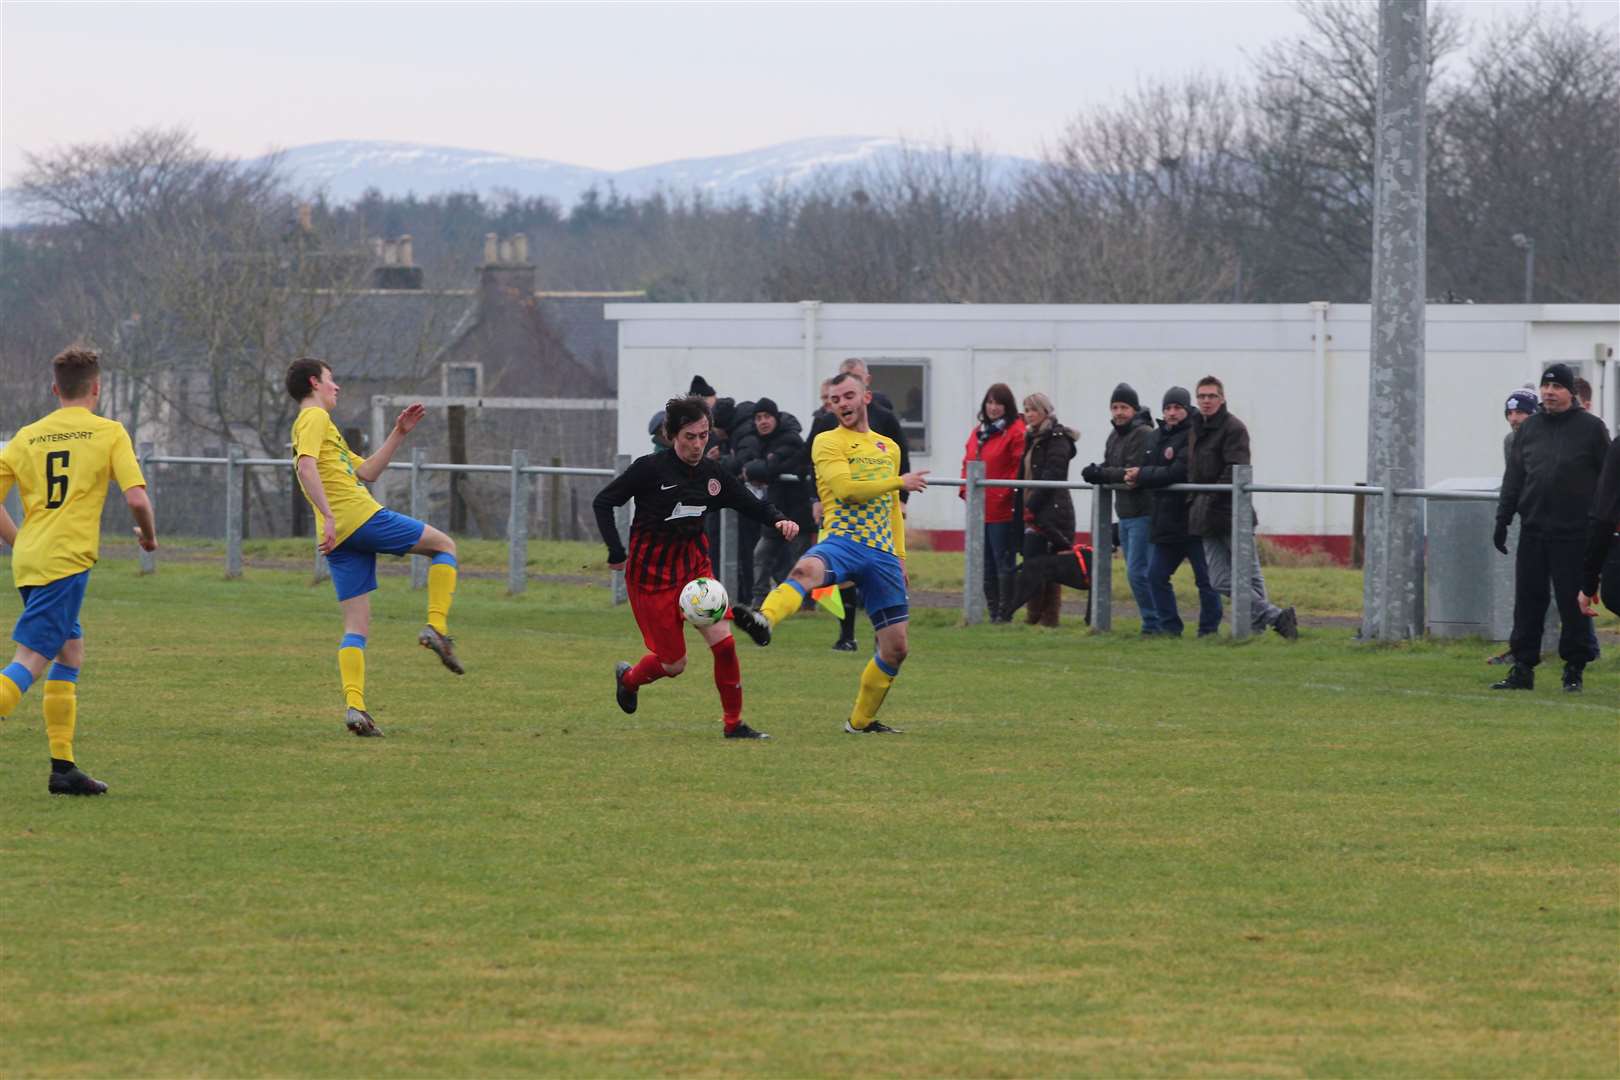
pixel 517 527
pixel 621 521
pixel 973 547
pixel 1387 585
pixel 1102 560
pixel 148 559
pixel 419 563
pixel 730 540
pixel 554 502
pixel 1243 553
pixel 233 512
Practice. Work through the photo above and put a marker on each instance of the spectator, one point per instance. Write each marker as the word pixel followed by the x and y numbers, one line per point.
pixel 1521 404
pixel 1048 513
pixel 655 428
pixel 1552 472
pixel 1126 448
pixel 1602 563
pixel 774 449
pixel 1166 464
pixel 998 441
pixel 1583 393
pixel 1219 441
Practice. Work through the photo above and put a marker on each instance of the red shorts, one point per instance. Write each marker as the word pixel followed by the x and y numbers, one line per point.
pixel 658 613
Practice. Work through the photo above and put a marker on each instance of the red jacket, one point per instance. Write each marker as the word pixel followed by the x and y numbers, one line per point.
pixel 1002 454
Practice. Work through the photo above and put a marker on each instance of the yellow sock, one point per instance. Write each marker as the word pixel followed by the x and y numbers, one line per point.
pixel 352 668
pixel 10 692
pixel 875 683
pixel 61 716
pixel 783 601
pixel 441 590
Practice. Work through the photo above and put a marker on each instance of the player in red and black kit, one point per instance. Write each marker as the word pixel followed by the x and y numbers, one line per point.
pixel 673 489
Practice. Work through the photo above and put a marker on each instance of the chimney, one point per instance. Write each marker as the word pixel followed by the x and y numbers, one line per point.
pixel 520 248
pixel 396 266
pixel 506 271
pixel 491 256
pixel 506 253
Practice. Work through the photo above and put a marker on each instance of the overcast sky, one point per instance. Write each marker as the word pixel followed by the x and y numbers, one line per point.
pixel 606 85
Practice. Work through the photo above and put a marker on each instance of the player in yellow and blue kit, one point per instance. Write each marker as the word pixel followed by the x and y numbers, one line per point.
pixel 863 539
pixel 61 466
pixel 355 529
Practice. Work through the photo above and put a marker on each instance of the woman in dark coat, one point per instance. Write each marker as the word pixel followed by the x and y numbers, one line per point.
pixel 1048 512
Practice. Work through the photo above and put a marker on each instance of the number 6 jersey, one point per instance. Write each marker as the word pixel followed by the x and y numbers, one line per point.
pixel 61 466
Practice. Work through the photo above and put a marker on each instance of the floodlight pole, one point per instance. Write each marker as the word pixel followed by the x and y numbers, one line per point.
pixel 1395 431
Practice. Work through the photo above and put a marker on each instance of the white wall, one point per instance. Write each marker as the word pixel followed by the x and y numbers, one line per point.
pixel 1265 354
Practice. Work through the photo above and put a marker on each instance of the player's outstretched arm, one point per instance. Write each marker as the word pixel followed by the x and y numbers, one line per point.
pixel 140 508
pixel 373 466
pixel 310 477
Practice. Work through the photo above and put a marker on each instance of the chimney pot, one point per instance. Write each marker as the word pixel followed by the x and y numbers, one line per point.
pixel 406 255
pixel 520 248
pixel 491 256
pixel 390 253
pixel 506 252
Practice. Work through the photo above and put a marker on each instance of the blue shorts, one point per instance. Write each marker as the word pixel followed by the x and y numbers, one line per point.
pixel 354 562
pixel 882 584
pixel 50 617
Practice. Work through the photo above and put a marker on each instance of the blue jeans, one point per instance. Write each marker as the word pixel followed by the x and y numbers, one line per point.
pixel 1133 541
pixel 1166 558
pixel 1002 540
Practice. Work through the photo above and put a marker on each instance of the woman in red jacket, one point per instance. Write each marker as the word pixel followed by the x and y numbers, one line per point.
pixel 998 441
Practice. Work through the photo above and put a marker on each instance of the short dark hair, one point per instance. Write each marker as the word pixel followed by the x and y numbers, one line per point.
pixel 1002 394
pixel 1210 380
pixel 684 410
pixel 74 369
pixel 299 372
pixel 842 376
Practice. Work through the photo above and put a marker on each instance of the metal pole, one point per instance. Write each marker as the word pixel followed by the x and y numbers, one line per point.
pixel 621 521
pixel 1243 554
pixel 973 547
pixel 148 559
pixel 1395 406
pixel 517 527
pixel 233 512
pixel 729 542
pixel 419 563
pixel 1102 560
pixel 379 487
pixel 1530 270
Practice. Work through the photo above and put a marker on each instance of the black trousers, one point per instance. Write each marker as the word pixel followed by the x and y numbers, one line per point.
pixel 1542 562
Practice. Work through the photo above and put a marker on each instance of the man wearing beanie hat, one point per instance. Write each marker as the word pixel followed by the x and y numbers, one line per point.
pixel 1126 448
pixel 1553 466
pixel 1166 464
pixel 1521 405
pixel 700 388
pixel 774 447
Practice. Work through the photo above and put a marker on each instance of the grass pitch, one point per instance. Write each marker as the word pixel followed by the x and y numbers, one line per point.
pixel 1088 855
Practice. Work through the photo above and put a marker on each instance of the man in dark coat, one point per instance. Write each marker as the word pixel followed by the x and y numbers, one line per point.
pixel 1219 441
pixel 1126 446
pixel 772 450
pixel 1552 473
pixel 1047 513
pixel 1166 464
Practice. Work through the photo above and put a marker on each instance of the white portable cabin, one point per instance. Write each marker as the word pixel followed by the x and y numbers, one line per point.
pixel 1295 373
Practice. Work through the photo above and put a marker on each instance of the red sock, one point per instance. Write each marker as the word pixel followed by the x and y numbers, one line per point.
pixel 728 680
pixel 648 669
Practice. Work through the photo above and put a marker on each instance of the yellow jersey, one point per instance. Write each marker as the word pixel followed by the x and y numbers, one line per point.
pixel 858 483
pixel 314 435
pixel 61 466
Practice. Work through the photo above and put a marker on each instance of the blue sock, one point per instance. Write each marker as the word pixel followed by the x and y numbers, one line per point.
pixel 19 675
pixel 443 558
pixel 63 673
pixel 353 641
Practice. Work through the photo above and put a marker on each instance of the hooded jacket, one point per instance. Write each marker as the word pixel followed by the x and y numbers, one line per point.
pixel 1552 472
pixel 1049 511
pixel 1215 444
pixel 763 459
pixel 1166 464
pixel 1126 447
pixel 1001 453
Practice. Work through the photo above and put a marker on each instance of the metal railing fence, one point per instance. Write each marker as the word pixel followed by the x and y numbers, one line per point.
pixel 1242 541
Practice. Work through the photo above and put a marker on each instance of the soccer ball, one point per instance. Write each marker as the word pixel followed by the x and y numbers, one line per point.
pixel 704 601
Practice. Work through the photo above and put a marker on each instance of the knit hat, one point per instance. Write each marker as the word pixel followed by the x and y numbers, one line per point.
pixel 1521 401
pixel 766 405
pixel 1176 395
pixel 700 386
pixel 1124 392
pixel 656 424
pixel 1560 375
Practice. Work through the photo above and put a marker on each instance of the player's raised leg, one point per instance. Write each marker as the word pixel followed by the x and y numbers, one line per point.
pixel 352 665
pixel 728 681
pixel 442 573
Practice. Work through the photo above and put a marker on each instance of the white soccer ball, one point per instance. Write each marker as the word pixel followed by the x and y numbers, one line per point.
pixel 704 601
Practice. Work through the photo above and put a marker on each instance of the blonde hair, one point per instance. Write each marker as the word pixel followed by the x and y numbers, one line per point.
pixel 1040 401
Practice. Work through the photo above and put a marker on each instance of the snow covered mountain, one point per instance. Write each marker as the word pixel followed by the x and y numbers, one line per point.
pixel 346 169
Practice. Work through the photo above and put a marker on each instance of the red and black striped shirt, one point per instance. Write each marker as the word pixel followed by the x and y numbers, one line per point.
pixel 667 543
